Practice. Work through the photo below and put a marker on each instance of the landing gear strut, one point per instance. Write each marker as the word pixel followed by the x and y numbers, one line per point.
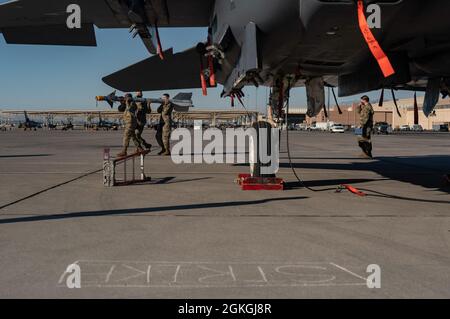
pixel 261 176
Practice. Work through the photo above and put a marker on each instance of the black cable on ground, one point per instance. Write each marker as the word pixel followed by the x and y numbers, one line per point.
pixel 50 188
pixel 299 179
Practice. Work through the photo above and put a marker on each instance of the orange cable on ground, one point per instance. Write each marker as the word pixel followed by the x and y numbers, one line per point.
pixel 353 190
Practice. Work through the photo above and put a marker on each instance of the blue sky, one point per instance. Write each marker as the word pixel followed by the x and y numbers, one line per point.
pixel 58 77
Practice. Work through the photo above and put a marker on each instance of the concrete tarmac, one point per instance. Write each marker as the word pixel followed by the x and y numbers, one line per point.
pixel 192 233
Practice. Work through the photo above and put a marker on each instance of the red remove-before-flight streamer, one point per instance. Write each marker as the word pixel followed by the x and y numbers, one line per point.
pixel 374 46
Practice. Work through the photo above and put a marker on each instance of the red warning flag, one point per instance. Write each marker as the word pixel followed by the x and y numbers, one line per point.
pixel 203 78
pixel 203 81
pixel 158 40
pixel 374 46
pixel 212 76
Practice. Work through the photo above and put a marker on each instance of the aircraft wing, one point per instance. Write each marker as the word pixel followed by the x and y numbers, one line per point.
pixel 176 71
pixel 44 21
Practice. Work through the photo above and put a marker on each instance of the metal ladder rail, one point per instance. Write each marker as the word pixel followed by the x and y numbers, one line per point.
pixel 110 166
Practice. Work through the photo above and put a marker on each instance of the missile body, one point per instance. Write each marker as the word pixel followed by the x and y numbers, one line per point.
pixel 182 101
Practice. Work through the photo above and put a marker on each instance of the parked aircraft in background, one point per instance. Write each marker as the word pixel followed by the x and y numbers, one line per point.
pixel 29 124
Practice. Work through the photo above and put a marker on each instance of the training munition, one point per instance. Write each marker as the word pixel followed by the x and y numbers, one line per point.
pixel 182 101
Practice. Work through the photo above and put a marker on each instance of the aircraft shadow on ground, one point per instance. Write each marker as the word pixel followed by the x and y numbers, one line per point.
pixel 24 156
pixel 333 183
pixel 424 171
pixel 168 181
pixel 147 210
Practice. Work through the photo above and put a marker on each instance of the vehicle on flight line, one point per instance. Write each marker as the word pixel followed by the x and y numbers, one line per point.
pixel 280 44
pixel 416 128
pixel 382 128
pixel 6 127
pixel 50 126
pixel 337 128
pixel 405 128
pixel 67 126
pixel 105 125
pixel 441 128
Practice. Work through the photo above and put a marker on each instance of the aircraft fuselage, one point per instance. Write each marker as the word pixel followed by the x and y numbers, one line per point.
pixel 314 38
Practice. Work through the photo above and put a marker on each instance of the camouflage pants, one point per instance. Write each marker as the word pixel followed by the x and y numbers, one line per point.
pixel 159 134
pixel 130 134
pixel 166 137
pixel 163 136
pixel 365 140
pixel 139 131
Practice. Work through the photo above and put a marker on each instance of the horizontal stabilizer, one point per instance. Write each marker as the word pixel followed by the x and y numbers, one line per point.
pixel 51 35
pixel 181 109
pixel 176 71
pixel 182 102
pixel 183 96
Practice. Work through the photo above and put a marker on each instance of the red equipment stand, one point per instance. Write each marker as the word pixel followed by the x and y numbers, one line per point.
pixel 249 183
pixel 256 180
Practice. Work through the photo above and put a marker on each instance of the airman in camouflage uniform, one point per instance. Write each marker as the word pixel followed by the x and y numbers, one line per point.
pixel 129 109
pixel 143 108
pixel 366 122
pixel 165 125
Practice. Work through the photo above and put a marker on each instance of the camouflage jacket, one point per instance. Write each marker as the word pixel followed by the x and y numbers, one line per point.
pixel 142 110
pixel 166 113
pixel 129 115
pixel 367 113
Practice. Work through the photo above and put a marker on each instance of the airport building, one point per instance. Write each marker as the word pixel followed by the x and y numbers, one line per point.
pixel 387 113
pixel 440 116
pixel 297 115
pixel 350 115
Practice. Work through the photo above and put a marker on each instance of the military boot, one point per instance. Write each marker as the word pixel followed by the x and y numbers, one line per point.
pixel 363 155
pixel 367 149
pixel 139 150
pixel 166 148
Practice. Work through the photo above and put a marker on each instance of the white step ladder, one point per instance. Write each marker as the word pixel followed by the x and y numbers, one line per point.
pixel 122 171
